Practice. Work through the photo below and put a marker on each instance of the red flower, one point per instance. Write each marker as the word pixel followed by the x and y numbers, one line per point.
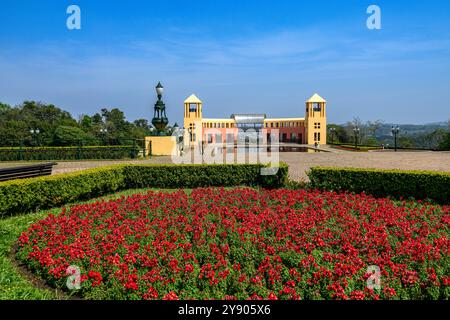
pixel 171 296
pixel 242 241
pixel 357 295
pixel 96 277
pixel 151 294
pixel 272 296
pixel 189 268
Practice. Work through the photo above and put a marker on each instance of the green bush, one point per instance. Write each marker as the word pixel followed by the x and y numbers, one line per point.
pixel 66 153
pixel 25 195
pixel 22 196
pixel 193 176
pixel 383 183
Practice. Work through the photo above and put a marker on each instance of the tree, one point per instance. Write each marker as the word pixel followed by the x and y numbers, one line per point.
pixel 445 143
pixel 405 142
pixel 372 128
pixel 16 123
pixel 340 134
pixel 69 136
pixel 350 125
pixel 97 119
pixel 435 138
pixel 86 123
pixel 58 127
pixel 4 107
pixel 142 123
pixel 141 128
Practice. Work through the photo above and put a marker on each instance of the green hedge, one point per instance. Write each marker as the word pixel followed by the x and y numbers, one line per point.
pixel 67 153
pixel 383 183
pixel 23 196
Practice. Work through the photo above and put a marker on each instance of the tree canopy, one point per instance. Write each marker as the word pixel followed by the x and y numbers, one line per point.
pixel 58 127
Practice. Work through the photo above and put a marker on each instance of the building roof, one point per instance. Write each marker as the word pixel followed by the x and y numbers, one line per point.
pixel 192 99
pixel 248 118
pixel 316 98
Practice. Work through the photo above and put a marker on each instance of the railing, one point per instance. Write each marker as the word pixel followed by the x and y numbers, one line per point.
pixel 379 146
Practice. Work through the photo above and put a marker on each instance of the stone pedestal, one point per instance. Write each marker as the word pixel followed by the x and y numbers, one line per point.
pixel 161 145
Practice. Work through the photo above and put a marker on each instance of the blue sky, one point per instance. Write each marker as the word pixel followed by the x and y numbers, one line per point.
pixel 237 56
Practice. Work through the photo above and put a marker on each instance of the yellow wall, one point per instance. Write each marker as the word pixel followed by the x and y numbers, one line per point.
pixel 192 120
pixel 161 145
pixel 316 123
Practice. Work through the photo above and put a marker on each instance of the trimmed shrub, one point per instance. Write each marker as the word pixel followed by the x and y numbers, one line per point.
pixel 192 176
pixel 429 185
pixel 25 195
pixel 67 153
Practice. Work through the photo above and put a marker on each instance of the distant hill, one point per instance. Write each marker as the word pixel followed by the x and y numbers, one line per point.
pixel 422 136
pixel 410 129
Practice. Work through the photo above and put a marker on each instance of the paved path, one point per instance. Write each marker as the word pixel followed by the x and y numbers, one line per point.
pixel 300 162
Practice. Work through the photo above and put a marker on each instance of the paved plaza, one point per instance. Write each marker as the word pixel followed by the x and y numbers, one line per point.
pixel 300 162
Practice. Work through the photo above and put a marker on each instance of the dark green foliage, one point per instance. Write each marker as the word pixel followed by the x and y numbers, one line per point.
pixel 420 185
pixel 66 136
pixel 192 176
pixel 58 128
pixel 23 196
pixel 445 143
pixel 67 153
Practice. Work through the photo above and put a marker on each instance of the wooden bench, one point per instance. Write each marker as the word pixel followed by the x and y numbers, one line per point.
pixel 36 170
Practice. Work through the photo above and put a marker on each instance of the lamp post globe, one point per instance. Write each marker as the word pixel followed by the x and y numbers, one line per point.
pixel 332 131
pixel 34 133
pixel 159 90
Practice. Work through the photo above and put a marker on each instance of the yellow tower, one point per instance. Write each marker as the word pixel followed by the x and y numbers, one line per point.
pixel 316 120
pixel 192 120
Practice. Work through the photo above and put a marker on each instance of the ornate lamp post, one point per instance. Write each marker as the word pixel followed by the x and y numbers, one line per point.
pixel 103 132
pixel 356 132
pixel 332 131
pixel 395 131
pixel 34 133
pixel 160 120
pixel 190 135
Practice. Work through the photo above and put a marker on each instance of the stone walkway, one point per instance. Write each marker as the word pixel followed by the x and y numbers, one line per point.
pixel 300 162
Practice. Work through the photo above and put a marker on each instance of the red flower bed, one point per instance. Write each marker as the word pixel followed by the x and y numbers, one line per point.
pixel 245 243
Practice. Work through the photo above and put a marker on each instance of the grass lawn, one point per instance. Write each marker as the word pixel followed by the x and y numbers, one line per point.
pixel 14 285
